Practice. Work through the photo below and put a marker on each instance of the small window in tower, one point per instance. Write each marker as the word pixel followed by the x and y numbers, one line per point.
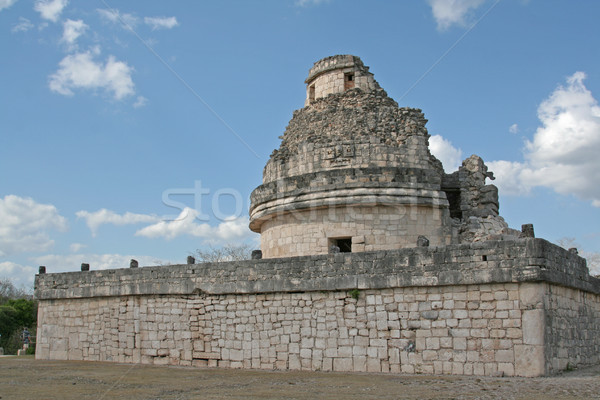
pixel 348 81
pixel 311 93
pixel 344 244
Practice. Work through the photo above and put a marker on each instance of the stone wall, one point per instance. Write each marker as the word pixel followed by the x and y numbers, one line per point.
pixel 464 329
pixel 524 308
pixel 371 227
pixel 149 329
pixel 571 327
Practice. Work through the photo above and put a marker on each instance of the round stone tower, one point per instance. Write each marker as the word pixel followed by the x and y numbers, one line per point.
pixel 353 172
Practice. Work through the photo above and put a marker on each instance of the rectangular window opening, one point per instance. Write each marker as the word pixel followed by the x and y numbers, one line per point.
pixel 348 81
pixel 311 93
pixel 344 244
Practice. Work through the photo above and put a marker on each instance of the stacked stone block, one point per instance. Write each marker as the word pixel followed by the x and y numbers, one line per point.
pixel 375 227
pixel 523 308
pixel 488 329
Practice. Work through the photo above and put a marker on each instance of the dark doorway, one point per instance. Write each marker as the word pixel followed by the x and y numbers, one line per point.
pixel 453 196
pixel 348 81
pixel 345 244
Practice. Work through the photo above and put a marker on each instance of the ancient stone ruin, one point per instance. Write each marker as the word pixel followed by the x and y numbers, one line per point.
pixel 354 171
pixel 372 259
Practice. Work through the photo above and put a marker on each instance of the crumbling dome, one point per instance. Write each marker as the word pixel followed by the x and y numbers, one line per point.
pixel 353 171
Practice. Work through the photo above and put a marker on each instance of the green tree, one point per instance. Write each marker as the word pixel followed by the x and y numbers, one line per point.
pixel 17 311
pixel 8 325
pixel 26 311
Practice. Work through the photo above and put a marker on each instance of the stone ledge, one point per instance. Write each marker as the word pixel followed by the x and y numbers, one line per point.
pixel 347 178
pixel 505 261
pixel 346 199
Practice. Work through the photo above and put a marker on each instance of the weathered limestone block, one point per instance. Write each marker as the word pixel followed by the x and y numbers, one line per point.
pixel 529 360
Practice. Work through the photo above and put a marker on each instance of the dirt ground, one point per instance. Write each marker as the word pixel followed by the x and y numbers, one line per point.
pixel 26 378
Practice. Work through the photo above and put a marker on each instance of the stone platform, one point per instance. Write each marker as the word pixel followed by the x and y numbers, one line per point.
pixel 517 308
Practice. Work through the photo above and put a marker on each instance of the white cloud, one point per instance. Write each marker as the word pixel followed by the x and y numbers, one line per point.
pixel 75 247
pixel 443 150
pixel 71 31
pixel 563 154
pixel 50 9
pixel 187 224
pixel 6 3
pixel 116 17
pixel 514 128
pixel 101 217
pixel 21 276
pixel 81 71
pixel 141 101
pixel 508 176
pixel 22 26
pixel 161 22
pixel 72 262
pixel 452 12
pixel 24 225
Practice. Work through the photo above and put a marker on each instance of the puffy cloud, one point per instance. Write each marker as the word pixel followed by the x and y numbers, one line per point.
pixel 101 217
pixel 141 101
pixel 75 247
pixel 72 262
pixel 514 128
pixel 509 177
pixel 20 275
pixel 187 224
pixel 50 9
pixel 443 150
pixel 452 12
pixel 563 154
pixel 72 30
pixel 161 22
pixel 22 26
pixel 24 225
pixel 570 124
pixel 81 71
pixel 116 17
pixel 6 3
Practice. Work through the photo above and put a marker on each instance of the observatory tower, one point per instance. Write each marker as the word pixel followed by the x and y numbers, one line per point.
pixel 353 171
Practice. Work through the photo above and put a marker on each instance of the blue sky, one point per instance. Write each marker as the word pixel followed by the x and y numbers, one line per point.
pixel 139 129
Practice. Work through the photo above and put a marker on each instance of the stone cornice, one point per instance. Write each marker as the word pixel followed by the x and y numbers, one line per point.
pixel 524 260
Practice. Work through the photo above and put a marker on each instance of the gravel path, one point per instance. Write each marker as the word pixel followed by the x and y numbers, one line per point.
pixel 25 378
